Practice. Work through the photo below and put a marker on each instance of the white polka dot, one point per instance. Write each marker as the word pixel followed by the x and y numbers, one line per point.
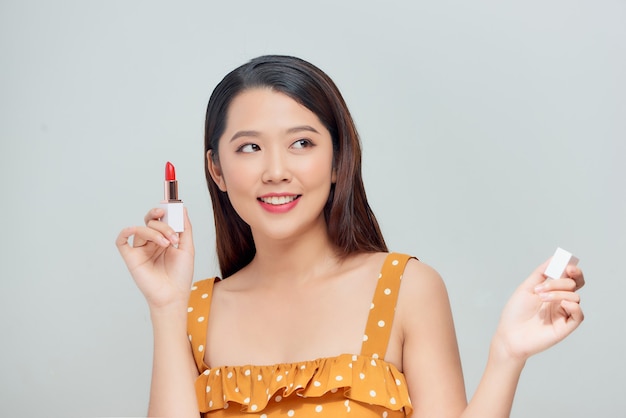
pixel 381 323
pixel 226 405
pixel 303 367
pixel 217 372
pixel 190 309
pixel 392 400
pixel 207 372
pixel 394 263
pixel 373 362
pixel 375 355
pixel 362 376
pixel 347 402
pixel 350 365
pixel 385 414
pixel 291 413
pixel 365 337
pixel 247 372
pixel 373 393
pixel 210 404
pixel 253 407
pixel 237 390
pixel 208 389
pixel 247 400
pixel 371 306
pixel 194 287
pixel 263 416
pixel 259 378
pixel 190 338
pixel 230 375
pixel 334 390
pixel 318 408
pixel 387 291
pixel 317 384
pixel 354 358
pixel 339 378
pixel 201 348
pixel 398 382
pixel 279 377
pixel 380 275
pixel 278 398
pixel 205 295
pixel 200 319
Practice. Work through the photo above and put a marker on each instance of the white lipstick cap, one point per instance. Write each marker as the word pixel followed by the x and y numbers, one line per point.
pixel 560 260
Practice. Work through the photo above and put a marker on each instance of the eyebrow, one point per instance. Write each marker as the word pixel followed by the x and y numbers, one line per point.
pixel 295 129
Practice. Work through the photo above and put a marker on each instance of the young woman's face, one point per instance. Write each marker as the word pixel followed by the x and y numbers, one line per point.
pixel 275 163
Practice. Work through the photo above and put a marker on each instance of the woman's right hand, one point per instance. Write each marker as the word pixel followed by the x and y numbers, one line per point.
pixel 160 261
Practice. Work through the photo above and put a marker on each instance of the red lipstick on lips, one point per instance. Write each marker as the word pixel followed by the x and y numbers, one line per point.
pixel 280 208
pixel 172 205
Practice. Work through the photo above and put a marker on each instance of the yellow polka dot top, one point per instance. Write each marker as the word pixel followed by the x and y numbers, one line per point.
pixel 350 385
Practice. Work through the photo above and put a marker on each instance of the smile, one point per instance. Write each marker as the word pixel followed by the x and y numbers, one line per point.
pixel 278 200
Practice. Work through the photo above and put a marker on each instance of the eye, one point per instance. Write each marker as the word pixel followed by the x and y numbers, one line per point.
pixel 302 143
pixel 248 148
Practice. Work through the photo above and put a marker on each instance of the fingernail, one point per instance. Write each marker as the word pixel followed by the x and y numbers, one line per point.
pixel 164 241
pixel 174 238
pixel 540 288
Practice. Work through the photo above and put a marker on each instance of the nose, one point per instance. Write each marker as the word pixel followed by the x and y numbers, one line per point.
pixel 276 168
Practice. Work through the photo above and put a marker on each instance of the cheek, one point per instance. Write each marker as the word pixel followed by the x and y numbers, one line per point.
pixel 238 176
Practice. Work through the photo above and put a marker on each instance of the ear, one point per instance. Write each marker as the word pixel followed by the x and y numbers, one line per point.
pixel 215 170
pixel 333 176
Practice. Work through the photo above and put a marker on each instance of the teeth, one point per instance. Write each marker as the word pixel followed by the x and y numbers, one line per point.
pixel 278 200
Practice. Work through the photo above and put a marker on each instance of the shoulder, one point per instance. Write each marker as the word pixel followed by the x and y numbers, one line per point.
pixel 422 293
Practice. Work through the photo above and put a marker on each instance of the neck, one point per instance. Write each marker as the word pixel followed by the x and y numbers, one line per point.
pixel 293 261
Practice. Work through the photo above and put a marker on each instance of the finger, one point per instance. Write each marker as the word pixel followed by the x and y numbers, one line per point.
pixel 560 296
pixel 153 214
pixel 574 311
pixel 165 230
pixel 121 242
pixel 576 274
pixel 556 284
pixel 186 237
pixel 141 235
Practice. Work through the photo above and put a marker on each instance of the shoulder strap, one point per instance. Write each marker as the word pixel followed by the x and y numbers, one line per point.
pixel 197 318
pixel 383 307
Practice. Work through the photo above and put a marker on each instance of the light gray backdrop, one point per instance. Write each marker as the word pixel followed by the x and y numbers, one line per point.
pixel 493 132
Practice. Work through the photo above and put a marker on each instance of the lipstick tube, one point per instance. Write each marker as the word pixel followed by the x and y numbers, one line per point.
pixel 171 204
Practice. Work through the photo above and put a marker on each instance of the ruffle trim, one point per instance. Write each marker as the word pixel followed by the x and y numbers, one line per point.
pixel 251 388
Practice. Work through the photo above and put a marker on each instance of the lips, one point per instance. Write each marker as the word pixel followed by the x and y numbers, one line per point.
pixel 279 203
pixel 278 200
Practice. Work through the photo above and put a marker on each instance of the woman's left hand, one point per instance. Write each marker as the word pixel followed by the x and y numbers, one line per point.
pixel 540 313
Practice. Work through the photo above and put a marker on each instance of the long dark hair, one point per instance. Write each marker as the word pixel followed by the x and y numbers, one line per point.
pixel 350 221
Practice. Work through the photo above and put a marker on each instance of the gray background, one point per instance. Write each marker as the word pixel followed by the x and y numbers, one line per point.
pixel 493 132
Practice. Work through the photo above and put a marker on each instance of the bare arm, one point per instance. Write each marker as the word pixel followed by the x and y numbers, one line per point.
pixel 172 392
pixel 161 264
pixel 538 315
pixel 430 355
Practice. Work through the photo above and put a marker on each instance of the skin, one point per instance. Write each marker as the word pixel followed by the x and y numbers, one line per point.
pixel 282 302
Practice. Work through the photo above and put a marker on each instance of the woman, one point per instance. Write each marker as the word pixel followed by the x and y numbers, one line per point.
pixel 313 318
